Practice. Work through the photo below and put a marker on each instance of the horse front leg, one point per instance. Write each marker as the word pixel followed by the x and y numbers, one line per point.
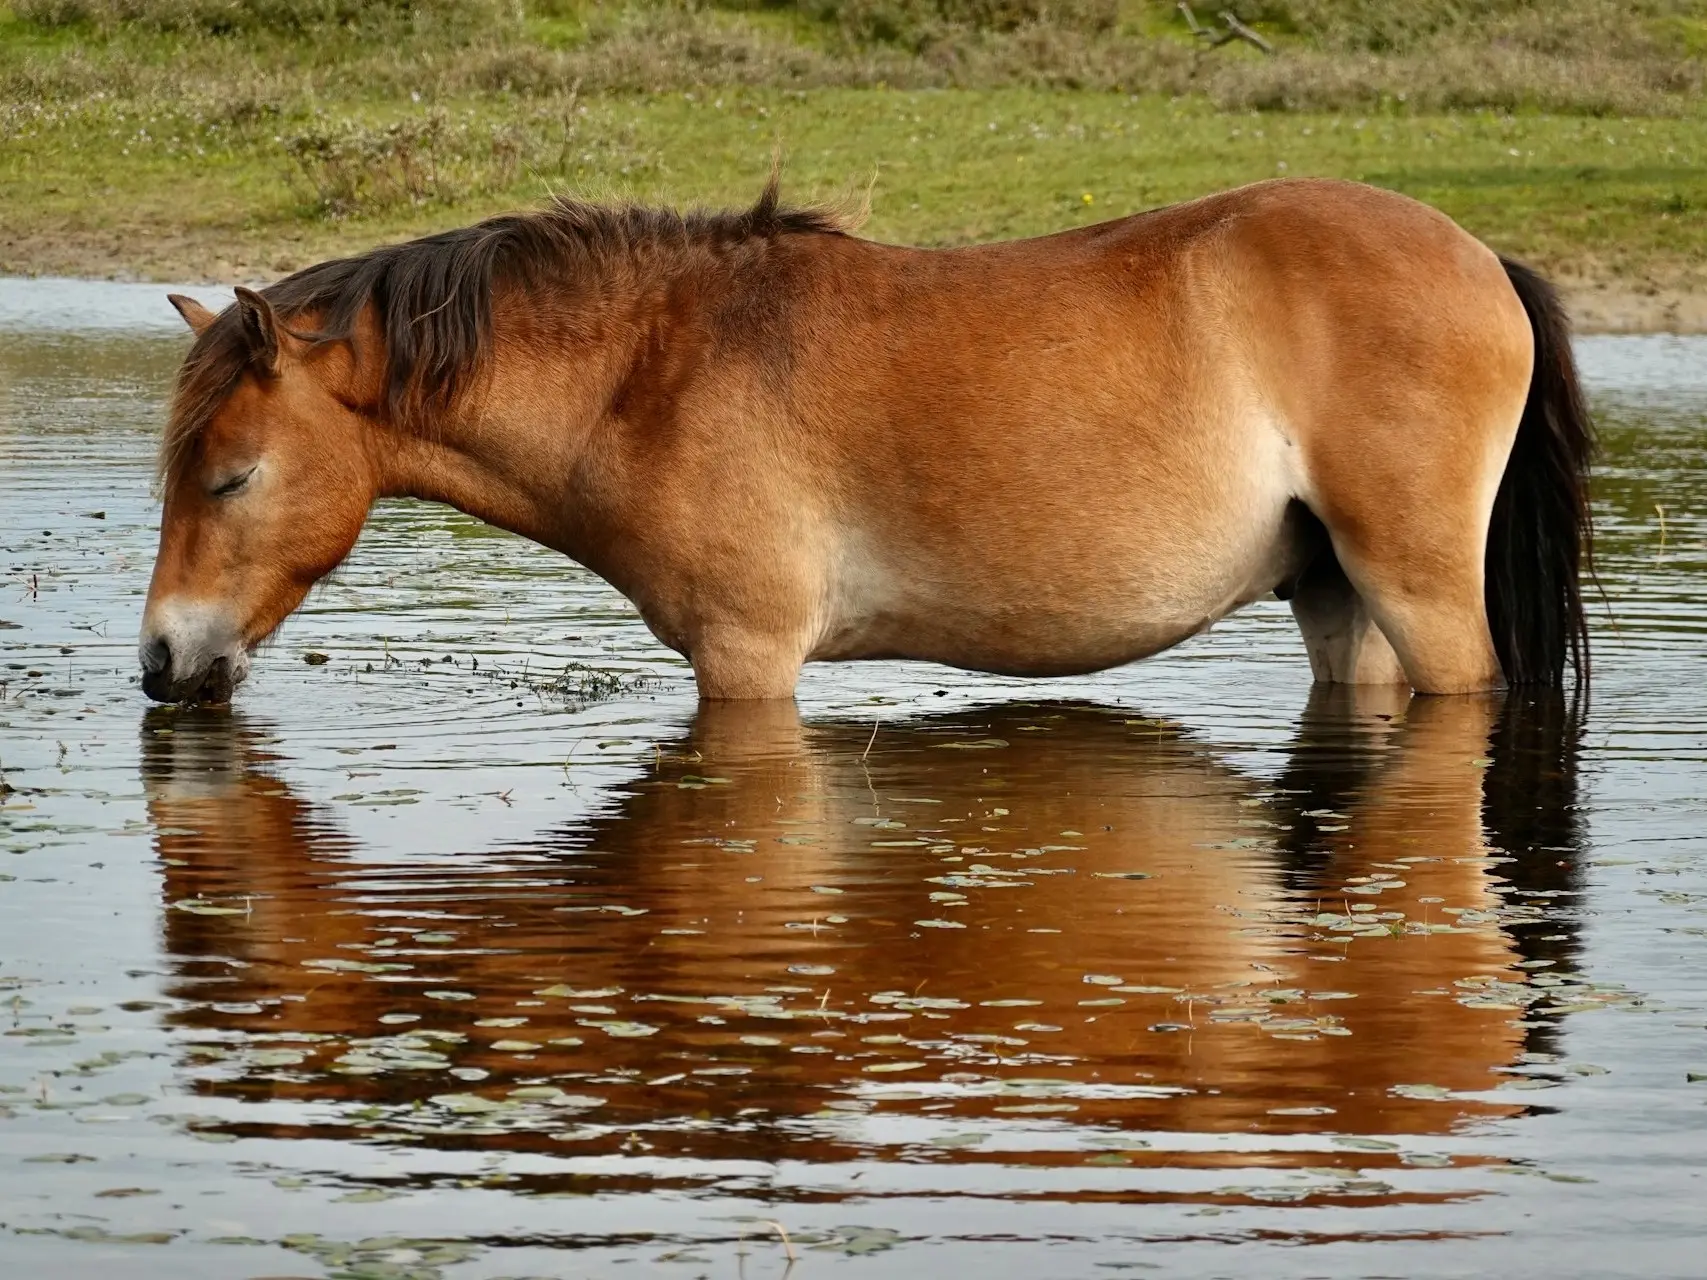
pixel 735 662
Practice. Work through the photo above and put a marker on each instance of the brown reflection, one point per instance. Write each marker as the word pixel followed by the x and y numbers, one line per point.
pixel 780 916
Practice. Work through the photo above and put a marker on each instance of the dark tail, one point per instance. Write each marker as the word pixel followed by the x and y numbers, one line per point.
pixel 1540 539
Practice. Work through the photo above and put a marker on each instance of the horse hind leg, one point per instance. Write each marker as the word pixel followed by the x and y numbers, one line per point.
pixel 1404 607
pixel 1406 509
pixel 1431 607
pixel 1387 619
pixel 1345 644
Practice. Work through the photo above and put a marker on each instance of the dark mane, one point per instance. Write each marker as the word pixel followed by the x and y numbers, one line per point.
pixel 433 296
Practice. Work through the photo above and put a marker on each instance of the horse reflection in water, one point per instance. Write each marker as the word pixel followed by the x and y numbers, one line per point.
pixel 990 926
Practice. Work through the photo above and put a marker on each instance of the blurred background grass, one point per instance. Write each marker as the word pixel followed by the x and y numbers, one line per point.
pixel 159 137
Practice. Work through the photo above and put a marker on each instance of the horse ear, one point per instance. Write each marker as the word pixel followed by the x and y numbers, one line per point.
pixel 260 329
pixel 195 315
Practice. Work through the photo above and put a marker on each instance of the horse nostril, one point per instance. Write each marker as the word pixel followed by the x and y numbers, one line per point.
pixel 156 656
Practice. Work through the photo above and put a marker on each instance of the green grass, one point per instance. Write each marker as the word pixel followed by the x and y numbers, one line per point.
pixel 180 192
pixel 180 139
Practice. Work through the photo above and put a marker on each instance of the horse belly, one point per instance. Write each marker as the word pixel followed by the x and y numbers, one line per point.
pixel 1105 601
pixel 975 636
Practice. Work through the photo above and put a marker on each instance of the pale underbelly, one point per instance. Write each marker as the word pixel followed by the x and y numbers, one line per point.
pixel 1025 642
pixel 1019 623
pixel 1059 653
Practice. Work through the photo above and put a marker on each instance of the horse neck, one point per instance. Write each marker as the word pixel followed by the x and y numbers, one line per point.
pixel 509 454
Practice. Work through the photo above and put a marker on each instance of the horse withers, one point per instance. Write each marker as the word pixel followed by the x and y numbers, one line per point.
pixel 785 443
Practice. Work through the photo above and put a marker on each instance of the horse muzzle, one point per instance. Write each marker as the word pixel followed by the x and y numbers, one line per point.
pixel 188 663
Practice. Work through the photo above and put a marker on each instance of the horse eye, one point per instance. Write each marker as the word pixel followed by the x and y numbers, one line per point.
pixel 232 485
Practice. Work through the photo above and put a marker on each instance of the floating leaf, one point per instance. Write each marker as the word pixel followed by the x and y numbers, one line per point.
pixel 579 993
pixel 1422 1092
pixel 959 1139
pixel 202 907
pixel 468 1104
pixel 856 1241
pixel 622 1030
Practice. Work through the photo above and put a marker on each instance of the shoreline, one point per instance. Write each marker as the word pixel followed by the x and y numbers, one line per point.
pixel 1617 307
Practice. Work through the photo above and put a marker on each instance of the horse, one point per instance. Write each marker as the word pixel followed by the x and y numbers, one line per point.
pixel 786 443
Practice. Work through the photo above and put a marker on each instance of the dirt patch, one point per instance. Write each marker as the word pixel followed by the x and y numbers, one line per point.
pixel 1613 306
pixel 172 256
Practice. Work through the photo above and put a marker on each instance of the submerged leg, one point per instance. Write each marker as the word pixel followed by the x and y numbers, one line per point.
pixel 1344 643
pixel 1429 605
pixel 731 664
pixel 1406 508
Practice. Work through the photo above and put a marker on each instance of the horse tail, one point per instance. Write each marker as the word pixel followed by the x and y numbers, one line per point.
pixel 1540 536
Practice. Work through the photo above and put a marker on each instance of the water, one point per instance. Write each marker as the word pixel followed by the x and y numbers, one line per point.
pixel 478 951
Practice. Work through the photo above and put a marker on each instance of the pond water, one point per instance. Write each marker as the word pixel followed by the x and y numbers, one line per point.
pixel 476 950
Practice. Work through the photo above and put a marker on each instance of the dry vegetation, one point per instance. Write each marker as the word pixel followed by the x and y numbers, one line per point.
pixel 1580 56
pixel 180 136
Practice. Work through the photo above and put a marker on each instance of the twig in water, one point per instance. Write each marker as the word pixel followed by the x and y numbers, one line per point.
pixel 787 1244
pixel 870 740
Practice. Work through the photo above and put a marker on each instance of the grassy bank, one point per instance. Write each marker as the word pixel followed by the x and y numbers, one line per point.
pixel 231 139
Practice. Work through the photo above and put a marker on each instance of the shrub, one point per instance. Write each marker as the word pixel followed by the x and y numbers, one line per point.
pixel 1375 26
pixel 426 159
pixel 916 24
pixel 226 17
pixel 353 168
pixel 1406 26
pixel 1587 56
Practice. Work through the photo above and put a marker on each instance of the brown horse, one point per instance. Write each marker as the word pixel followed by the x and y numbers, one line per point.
pixel 784 443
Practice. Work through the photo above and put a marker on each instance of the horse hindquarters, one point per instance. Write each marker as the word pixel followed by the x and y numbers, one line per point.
pixel 1408 467
pixel 1505 599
